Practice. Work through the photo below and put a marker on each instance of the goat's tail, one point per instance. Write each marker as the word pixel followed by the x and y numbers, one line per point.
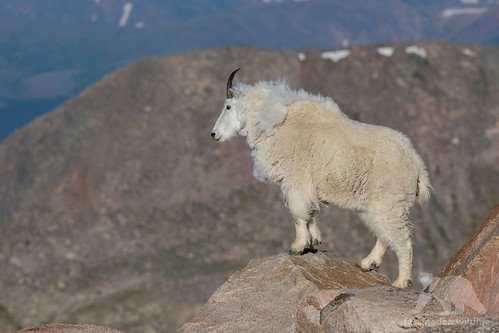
pixel 423 186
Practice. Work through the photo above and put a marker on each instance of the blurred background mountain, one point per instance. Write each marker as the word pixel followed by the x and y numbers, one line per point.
pixel 52 49
pixel 118 208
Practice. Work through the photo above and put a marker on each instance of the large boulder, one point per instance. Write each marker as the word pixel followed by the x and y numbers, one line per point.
pixel 470 281
pixel 267 294
pixel 320 293
pixel 383 309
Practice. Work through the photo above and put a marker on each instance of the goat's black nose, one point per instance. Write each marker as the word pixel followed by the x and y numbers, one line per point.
pixel 213 135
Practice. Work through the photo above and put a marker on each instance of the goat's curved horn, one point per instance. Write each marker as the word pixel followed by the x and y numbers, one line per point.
pixel 228 90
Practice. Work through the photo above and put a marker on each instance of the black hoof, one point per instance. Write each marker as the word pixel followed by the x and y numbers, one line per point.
pixel 294 252
pixel 312 250
pixel 409 283
pixel 374 267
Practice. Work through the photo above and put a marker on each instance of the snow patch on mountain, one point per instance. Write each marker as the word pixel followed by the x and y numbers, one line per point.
pixel 414 49
pixel 469 53
pixel 335 55
pixel 127 10
pixel 450 12
pixel 385 51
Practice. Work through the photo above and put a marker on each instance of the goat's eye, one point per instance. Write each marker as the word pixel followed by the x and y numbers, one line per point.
pixel 228 107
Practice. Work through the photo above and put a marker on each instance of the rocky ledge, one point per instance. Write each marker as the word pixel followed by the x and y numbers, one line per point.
pixel 322 293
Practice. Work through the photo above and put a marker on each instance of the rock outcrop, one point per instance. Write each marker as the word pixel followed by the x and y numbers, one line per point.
pixel 269 293
pixel 321 293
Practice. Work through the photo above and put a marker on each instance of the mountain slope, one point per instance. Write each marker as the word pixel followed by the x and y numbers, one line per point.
pixel 119 209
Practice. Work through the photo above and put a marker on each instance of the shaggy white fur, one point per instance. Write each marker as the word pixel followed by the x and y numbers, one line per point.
pixel 305 144
pixel 272 99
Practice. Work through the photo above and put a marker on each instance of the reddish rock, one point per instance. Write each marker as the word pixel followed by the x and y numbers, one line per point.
pixel 470 281
pixel 481 247
pixel 69 328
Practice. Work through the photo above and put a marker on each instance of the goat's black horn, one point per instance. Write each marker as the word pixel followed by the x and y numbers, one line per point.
pixel 229 84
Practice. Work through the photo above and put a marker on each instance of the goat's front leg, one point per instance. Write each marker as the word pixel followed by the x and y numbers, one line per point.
pixel 298 200
pixel 315 233
pixel 302 240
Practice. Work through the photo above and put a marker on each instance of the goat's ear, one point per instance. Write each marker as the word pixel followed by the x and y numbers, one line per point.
pixel 234 93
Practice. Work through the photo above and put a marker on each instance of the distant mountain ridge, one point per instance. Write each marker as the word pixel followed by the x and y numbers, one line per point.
pixel 119 208
pixel 53 49
pixel 154 13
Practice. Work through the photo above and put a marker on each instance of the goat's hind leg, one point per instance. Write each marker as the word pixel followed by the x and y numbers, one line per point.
pixel 403 248
pixel 392 230
pixel 375 258
pixel 398 231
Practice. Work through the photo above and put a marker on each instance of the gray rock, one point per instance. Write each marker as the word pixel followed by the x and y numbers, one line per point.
pixel 319 293
pixel 267 294
pixel 382 309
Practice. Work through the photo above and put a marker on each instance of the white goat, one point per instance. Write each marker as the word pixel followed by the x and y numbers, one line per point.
pixel 318 155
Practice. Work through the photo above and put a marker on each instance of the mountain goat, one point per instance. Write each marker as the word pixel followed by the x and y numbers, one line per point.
pixel 317 155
